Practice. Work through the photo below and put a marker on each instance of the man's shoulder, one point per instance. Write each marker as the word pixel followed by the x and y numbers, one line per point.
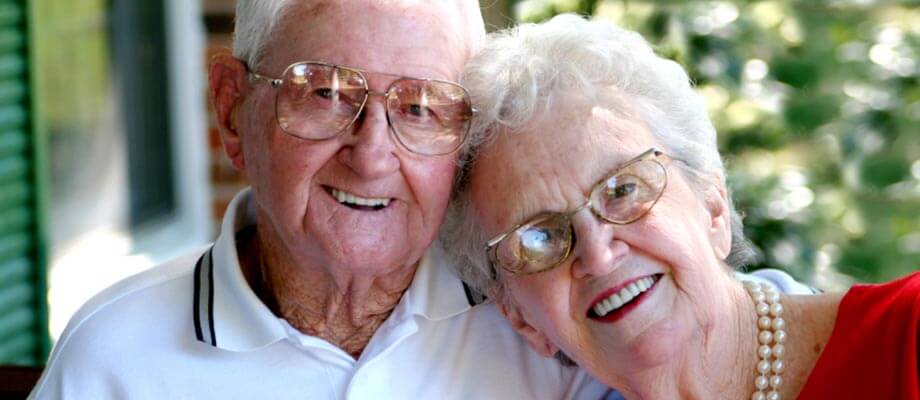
pixel 161 294
pixel 120 327
pixel 481 346
pixel 136 290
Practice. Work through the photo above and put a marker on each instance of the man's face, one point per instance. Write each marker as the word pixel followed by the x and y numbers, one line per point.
pixel 296 182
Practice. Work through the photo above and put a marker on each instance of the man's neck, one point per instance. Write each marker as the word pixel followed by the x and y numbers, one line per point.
pixel 344 310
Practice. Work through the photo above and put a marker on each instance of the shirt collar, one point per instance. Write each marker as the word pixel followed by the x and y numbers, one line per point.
pixel 230 316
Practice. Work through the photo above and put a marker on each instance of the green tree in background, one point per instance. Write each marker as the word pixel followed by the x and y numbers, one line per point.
pixel 817 105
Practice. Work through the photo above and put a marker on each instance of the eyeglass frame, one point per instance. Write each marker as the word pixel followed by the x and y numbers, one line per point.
pixel 492 245
pixel 276 83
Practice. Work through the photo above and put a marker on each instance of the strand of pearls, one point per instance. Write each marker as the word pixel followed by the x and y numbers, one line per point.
pixel 771 336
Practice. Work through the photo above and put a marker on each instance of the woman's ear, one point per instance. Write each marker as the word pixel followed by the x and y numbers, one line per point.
pixel 719 220
pixel 536 339
pixel 227 80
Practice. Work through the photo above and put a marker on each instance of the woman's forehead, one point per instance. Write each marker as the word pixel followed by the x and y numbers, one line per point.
pixel 551 164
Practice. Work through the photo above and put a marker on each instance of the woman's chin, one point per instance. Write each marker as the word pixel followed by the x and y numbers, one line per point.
pixel 662 344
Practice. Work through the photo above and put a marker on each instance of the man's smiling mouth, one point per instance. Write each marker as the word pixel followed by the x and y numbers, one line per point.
pixel 356 202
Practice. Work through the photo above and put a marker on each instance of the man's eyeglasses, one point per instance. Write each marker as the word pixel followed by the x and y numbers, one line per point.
pixel 545 241
pixel 317 101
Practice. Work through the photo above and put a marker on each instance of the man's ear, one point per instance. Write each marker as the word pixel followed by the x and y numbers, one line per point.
pixel 227 80
pixel 536 339
pixel 719 221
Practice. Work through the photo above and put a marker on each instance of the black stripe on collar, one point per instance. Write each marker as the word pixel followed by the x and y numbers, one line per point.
pixel 203 297
pixel 473 297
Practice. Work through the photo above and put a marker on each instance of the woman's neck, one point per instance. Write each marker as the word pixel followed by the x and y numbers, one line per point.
pixel 809 324
pixel 727 369
pixel 344 310
pixel 717 363
pixel 727 366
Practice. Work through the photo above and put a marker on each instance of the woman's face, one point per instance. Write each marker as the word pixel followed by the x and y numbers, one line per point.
pixel 551 166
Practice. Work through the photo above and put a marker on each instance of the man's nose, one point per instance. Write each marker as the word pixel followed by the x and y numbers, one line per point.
pixel 597 249
pixel 370 150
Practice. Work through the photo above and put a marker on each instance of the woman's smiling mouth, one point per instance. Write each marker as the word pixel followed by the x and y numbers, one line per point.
pixel 614 304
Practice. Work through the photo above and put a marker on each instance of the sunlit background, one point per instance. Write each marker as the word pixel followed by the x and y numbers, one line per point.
pixel 109 165
pixel 817 105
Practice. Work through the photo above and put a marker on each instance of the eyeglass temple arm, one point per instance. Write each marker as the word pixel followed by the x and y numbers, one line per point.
pixel 271 81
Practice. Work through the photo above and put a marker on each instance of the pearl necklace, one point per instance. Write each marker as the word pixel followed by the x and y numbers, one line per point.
pixel 771 331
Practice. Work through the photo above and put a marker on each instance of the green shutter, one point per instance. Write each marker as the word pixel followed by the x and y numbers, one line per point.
pixel 23 306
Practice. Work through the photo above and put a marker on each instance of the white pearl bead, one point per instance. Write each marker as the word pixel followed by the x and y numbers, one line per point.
pixel 778 324
pixel 778 366
pixel 765 337
pixel 764 351
pixel 762 308
pixel 776 309
pixel 776 381
pixel 761 382
pixel 771 330
pixel 779 336
pixel 772 297
pixel 763 366
pixel 779 350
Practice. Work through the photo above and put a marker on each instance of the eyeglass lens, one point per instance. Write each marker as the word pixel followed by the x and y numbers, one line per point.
pixel 318 101
pixel 546 241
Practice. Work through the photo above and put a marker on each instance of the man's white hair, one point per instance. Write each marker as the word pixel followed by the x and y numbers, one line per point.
pixel 520 73
pixel 256 21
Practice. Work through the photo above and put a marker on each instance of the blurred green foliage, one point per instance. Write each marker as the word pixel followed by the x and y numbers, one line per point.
pixel 817 105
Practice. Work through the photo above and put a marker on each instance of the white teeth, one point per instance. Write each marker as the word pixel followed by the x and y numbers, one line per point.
pixel 640 284
pixel 633 289
pixel 345 197
pixel 616 301
pixel 626 294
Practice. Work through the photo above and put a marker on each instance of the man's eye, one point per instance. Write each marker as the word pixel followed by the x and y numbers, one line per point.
pixel 325 93
pixel 418 110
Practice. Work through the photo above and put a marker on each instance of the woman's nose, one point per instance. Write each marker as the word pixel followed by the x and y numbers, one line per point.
pixel 597 249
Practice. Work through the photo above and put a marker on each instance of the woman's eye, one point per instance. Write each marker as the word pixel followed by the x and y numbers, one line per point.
pixel 623 190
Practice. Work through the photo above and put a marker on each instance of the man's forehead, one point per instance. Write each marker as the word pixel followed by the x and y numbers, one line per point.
pixel 457 17
pixel 388 28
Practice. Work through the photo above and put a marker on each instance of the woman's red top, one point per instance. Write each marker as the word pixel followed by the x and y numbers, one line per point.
pixel 874 349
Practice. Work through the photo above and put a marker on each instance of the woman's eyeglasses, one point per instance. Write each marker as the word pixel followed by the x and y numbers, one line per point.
pixel 545 241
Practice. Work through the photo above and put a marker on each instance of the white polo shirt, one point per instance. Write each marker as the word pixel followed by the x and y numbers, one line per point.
pixel 193 329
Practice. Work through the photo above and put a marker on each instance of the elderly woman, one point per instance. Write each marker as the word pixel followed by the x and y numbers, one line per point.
pixel 596 215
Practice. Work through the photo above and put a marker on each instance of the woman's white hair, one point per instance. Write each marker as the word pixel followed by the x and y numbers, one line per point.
pixel 521 72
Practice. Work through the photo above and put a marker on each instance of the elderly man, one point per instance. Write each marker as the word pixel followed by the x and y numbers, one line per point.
pixel 323 282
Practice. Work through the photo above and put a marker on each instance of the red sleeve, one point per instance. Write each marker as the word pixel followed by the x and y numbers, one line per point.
pixel 874 349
